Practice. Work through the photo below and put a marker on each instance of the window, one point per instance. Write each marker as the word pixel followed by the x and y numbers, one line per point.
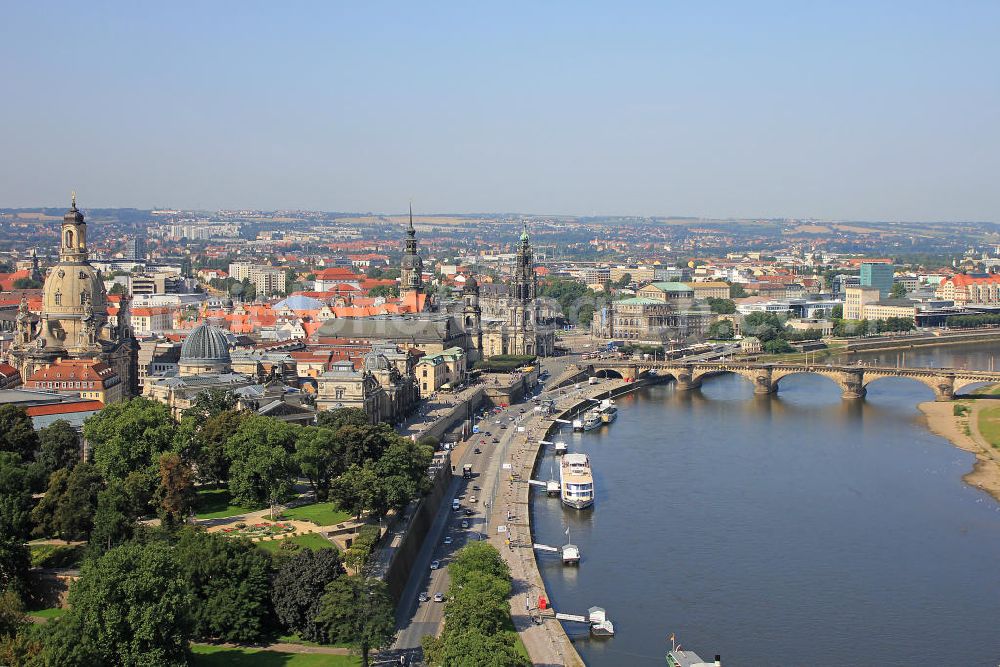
pixel 338 393
pixel 84 297
pixel 58 298
pixel 69 238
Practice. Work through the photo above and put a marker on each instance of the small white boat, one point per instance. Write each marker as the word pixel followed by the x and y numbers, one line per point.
pixel 600 624
pixel 552 486
pixel 571 554
pixel 577 424
pixel 561 448
pixel 591 420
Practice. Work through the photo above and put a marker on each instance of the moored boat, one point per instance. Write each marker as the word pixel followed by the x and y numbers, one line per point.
pixel 576 481
pixel 591 420
pixel 609 411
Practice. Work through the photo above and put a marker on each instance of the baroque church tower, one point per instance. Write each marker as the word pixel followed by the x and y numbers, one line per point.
pixel 74 320
pixel 411 270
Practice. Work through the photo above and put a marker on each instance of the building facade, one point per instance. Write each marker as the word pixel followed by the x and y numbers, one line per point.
pixel 965 289
pixel 878 275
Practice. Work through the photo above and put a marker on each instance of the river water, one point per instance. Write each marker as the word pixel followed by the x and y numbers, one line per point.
pixel 799 529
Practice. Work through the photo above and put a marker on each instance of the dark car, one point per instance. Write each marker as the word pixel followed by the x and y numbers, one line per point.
pixel 478 451
pixel 496 441
pixel 469 512
pixel 503 426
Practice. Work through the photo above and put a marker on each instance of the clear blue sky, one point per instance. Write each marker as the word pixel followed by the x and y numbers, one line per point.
pixel 863 110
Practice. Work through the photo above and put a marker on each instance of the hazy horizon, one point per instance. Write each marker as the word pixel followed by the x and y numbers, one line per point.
pixel 842 111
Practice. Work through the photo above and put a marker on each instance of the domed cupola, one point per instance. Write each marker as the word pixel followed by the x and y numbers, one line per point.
pixel 205 350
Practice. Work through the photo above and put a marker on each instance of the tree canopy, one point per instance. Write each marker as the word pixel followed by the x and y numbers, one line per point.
pixel 358 612
pixel 298 589
pixel 17 434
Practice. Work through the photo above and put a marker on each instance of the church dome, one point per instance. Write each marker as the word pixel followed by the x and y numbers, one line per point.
pixel 376 362
pixel 205 350
pixel 72 295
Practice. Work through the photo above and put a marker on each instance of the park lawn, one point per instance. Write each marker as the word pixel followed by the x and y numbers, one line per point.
pixel 56 555
pixel 206 655
pixel 295 639
pixel 51 612
pixel 215 504
pixel 989 425
pixel 321 514
pixel 307 540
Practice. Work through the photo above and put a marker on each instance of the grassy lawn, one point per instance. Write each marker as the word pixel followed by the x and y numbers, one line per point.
pixel 989 425
pixel 56 555
pixel 51 612
pixel 308 540
pixel 217 656
pixel 321 514
pixel 215 504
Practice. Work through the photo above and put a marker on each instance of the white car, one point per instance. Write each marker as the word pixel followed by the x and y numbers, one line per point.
pixel 439 597
pixel 472 499
pixel 435 564
pixel 447 539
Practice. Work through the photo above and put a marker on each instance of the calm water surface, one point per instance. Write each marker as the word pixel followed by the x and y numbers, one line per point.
pixel 795 530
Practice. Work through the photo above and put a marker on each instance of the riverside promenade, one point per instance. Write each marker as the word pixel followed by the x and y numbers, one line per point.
pixel 543 635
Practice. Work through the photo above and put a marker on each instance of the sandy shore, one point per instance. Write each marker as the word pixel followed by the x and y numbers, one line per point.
pixel 942 421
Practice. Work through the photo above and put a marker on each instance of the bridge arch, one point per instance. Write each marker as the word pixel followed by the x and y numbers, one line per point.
pixel 605 373
pixel 935 387
pixel 778 376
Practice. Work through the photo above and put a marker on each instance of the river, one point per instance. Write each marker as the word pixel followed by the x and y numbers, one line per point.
pixel 799 529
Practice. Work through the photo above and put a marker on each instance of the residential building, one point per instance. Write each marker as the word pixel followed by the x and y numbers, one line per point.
pixel 149 320
pixel 267 280
pixel 85 378
pixel 856 298
pixel 967 289
pixel 710 289
pixel 443 370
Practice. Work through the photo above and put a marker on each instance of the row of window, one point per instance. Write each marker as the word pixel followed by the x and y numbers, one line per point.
pixel 66 385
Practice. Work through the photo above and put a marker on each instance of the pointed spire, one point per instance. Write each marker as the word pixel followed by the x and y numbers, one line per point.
pixel 411 217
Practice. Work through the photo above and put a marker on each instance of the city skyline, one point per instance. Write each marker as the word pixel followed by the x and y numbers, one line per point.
pixel 848 112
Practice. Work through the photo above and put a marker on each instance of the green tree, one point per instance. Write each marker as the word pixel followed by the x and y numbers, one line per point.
pixel 474 649
pixel 58 447
pixel 898 291
pixel 736 291
pixel 15 497
pixel 765 326
pixel 261 467
pixel 127 438
pixel 17 434
pixel 358 612
pixel 318 455
pixel 721 306
pixel 175 494
pixel 131 606
pixel 402 472
pixel 335 419
pixel 357 489
pixel 721 330
pixel 298 589
pixel 67 510
pixel 478 557
pixel 837 312
pixel 27 283
pixel 210 403
pixel 230 580
pixel 211 459
pixel 384 291
pixel 114 520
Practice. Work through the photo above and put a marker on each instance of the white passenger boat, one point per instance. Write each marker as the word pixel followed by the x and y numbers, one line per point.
pixel 561 448
pixel 576 480
pixel 578 424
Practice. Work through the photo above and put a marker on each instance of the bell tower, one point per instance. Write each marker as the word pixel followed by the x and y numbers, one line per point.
pixel 73 236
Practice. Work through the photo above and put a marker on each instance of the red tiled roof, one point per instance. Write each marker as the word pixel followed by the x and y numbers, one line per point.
pixel 64 408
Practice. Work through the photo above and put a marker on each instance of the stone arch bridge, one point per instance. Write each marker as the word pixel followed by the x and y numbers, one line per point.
pixel 766 377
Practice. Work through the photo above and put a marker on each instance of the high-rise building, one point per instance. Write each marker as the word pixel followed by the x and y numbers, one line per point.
pixel 135 248
pixel 875 274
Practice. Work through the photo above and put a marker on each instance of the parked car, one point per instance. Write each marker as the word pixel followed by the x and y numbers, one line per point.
pixel 439 597
pixel 479 451
pixel 423 597
pixel 469 512
pixel 472 499
pixel 447 539
pixel 465 524
pixel 435 564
